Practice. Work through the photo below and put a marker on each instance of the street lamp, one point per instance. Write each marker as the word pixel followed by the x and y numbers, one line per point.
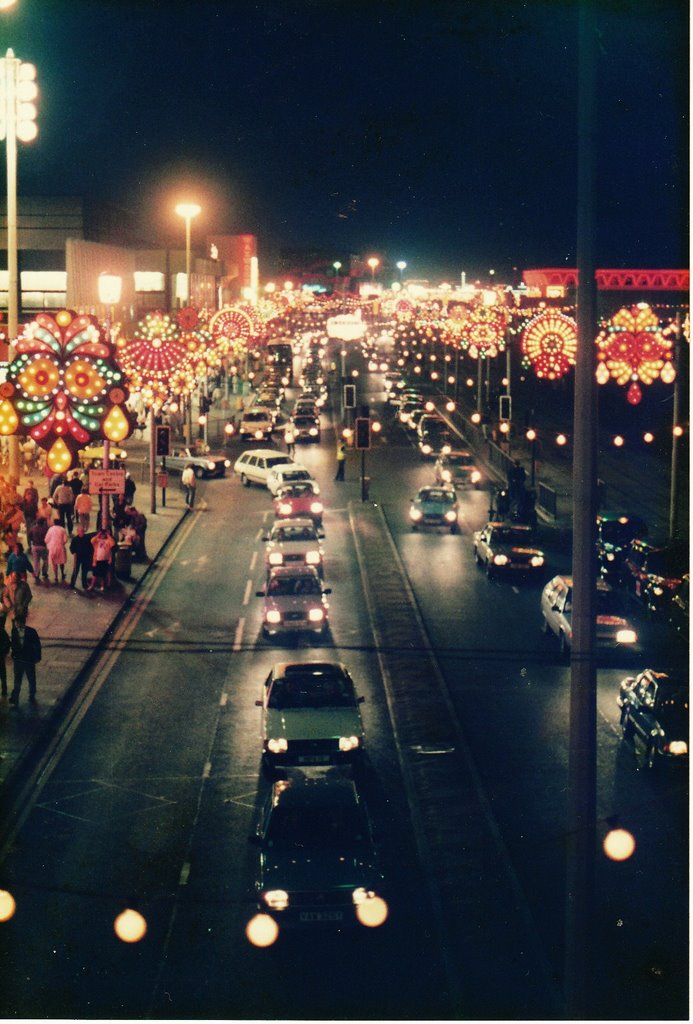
pixel 187 211
pixel 18 90
pixel 373 262
pixel 110 286
pixel 337 267
pixel 401 266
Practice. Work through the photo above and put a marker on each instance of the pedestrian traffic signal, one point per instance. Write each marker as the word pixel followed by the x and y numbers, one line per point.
pixel 362 433
pixel 163 440
pixel 349 396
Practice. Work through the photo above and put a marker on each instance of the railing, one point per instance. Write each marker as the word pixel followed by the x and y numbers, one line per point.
pixel 547 499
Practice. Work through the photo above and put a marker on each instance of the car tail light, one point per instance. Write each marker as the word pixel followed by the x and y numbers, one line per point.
pixel 276 899
pixel 677 748
pixel 316 615
pixel 626 636
pixel 347 743
pixel 278 745
pixel 536 561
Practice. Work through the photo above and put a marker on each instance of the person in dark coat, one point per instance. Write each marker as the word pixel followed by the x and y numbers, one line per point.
pixel 25 646
pixel 83 552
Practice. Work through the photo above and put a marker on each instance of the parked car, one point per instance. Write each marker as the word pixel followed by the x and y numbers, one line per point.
pixel 615 533
pixel 299 499
pixel 615 631
pixel 434 506
pixel 310 716
pixel 654 709
pixel 317 860
pixel 458 467
pixel 504 547
pixel 204 466
pixel 254 465
pixel 653 573
pixel 294 601
pixel 92 457
pixel 280 475
pixel 257 424
pixel 294 542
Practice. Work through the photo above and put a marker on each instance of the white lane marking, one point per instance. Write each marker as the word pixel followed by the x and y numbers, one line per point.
pixel 253 560
pixel 207 770
pixel 247 591
pixel 258 535
pixel 239 635
pixel 223 700
pixel 184 874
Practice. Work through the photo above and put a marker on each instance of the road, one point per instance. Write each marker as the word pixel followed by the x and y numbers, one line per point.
pixel 152 796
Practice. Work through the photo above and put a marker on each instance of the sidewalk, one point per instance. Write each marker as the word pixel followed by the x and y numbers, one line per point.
pixel 70 624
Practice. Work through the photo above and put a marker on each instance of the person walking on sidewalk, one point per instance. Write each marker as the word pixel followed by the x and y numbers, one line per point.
pixel 189 483
pixel 56 542
pixel 30 504
pixel 25 646
pixel 83 509
pixel 39 551
pixel 102 546
pixel 64 498
pixel 4 651
pixel 341 460
pixel 83 553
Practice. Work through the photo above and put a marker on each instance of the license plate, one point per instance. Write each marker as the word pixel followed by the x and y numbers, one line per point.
pixel 314 759
pixel 321 915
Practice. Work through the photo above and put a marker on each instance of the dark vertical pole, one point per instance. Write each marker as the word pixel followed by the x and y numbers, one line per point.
pixel 152 460
pixel 363 474
pixel 673 492
pixel 581 807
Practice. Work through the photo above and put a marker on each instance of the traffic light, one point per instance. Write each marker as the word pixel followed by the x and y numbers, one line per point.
pixel 163 440
pixel 504 407
pixel 349 396
pixel 362 433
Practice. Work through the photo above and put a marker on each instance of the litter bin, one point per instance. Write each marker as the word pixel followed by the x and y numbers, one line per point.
pixel 123 561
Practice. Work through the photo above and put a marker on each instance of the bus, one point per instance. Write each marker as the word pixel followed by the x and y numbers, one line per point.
pixel 280 354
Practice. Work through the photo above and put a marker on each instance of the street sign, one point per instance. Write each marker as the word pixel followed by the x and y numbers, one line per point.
pixel 107 481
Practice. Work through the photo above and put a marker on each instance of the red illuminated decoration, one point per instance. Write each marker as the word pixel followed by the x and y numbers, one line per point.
pixel 187 318
pixel 64 387
pixel 150 359
pixel 549 342
pixel 232 328
pixel 483 333
pixel 633 348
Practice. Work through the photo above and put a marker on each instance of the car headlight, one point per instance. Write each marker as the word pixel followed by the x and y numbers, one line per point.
pixel 210 465
pixel 277 746
pixel 426 449
pixel 285 509
pixel 446 449
pixel 313 431
pixel 476 476
pixel 273 616
pixel 626 636
pixel 360 896
pixel 536 560
pixel 347 743
pixel 500 559
pixel 450 516
pixel 677 748
pixel 276 899
pixel 276 558
pixel 610 557
pixel 227 463
pixel 658 591
pixel 316 508
pixel 313 558
pixel 415 513
pixel 316 615
pixel 446 476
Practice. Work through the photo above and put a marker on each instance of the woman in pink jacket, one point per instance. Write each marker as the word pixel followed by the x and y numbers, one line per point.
pixel 56 542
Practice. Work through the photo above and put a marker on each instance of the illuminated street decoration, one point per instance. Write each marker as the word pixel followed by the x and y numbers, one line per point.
pixel 483 334
pixel 230 326
pixel 153 354
pixel 188 318
pixel 633 348
pixel 64 387
pixel 549 342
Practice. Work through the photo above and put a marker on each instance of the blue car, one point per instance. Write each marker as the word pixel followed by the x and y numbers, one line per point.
pixel 435 506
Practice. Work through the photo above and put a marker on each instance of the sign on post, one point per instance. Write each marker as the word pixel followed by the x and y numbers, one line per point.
pixel 107 481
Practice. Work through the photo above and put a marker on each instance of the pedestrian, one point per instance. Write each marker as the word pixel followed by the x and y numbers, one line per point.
pixel 74 482
pixel 130 488
pixel 18 562
pixel 45 511
pixel 25 646
pixel 341 460
pixel 4 651
pixel 55 481
pixel 189 482
pixel 56 542
pixel 83 509
pixel 39 551
pixel 290 441
pixel 83 553
pixel 64 499
pixel 30 504
pixel 102 559
pixel 21 599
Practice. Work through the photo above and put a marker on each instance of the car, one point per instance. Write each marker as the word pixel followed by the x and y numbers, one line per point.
pixel 435 442
pixel 654 709
pixel 615 632
pixel 679 610
pixel 294 542
pixel 428 422
pixel 615 534
pixel 254 465
pixel 457 467
pixel 310 716
pixel 92 457
pixel 317 858
pixel 305 427
pixel 506 547
pixel 294 601
pixel 306 406
pixel 407 407
pixel 256 423
pixel 299 499
pixel 434 506
pixel 652 572
pixel 280 475
pixel 204 466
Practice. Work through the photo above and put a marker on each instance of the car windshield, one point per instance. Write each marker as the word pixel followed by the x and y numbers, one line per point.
pixel 296 474
pixel 293 586
pixel 437 494
pixel 304 421
pixel 509 535
pixel 312 690
pixel 287 533
pixel 315 825
pixel 297 491
pixel 255 417
pixel 460 460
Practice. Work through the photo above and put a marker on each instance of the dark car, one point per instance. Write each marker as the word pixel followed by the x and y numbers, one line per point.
pixel 654 709
pixel 318 862
pixel 679 608
pixel 615 534
pixel 653 573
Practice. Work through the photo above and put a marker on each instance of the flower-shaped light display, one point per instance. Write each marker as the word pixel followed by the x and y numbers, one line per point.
pixel 483 333
pixel 64 387
pixel 232 327
pixel 633 348
pixel 153 354
pixel 188 318
pixel 549 341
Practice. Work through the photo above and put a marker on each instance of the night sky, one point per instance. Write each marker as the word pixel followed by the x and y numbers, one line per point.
pixel 442 133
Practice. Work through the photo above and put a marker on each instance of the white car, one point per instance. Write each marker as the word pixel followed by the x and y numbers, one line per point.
pixel 257 424
pixel 615 632
pixel 254 465
pixel 294 601
pixel 294 542
pixel 310 715
pixel 281 475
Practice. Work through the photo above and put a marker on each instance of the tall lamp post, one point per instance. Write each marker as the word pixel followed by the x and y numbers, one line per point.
pixel 110 286
pixel 187 211
pixel 18 90
pixel 373 262
pixel 401 266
